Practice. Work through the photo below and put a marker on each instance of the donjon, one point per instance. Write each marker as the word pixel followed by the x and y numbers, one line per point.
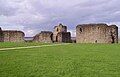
pixel 11 36
pixel 44 36
pixel 96 33
pixel 60 34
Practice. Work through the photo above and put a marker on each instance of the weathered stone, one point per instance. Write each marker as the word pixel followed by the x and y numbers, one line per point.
pixel 1 36
pixel 57 29
pixel 96 33
pixel 60 34
pixel 44 36
pixel 13 36
pixel 64 37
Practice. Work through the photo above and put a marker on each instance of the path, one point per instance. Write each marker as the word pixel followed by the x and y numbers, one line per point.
pixel 2 49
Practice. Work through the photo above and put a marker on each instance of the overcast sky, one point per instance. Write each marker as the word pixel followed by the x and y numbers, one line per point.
pixel 34 16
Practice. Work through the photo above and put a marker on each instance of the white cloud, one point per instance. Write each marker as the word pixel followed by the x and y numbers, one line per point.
pixel 9 26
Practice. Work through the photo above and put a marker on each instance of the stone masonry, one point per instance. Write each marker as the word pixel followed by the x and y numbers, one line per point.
pixel 85 33
pixel 44 36
pixel 60 34
pixel 64 37
pixel 11 36
pixel 96 33
pixel 1 35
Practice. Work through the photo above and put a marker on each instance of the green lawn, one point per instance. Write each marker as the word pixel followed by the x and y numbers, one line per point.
pixel 73 60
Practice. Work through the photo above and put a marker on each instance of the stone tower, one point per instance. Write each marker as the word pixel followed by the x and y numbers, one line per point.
pixel 96 33
pixel 60 34
pixel 57 29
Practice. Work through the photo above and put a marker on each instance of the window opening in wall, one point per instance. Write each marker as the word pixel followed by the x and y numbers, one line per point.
pixel 80 29
pixel 57 29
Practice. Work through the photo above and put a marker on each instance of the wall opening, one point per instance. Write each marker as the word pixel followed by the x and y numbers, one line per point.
pixel 96 41
pixel 56 38
pixel 80 29
pixel 51 36
pixel 98 27
pixel 57 29
pixel 113 39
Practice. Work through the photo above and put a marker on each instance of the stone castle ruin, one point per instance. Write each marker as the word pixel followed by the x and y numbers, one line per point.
pixel 44 36
pixel 11 36
pixel 60 35
pixel 85 33
pixel 96 33
pixel 1 35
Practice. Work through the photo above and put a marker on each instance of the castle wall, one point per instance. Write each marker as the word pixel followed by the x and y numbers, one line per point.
pixel 64 37
pixel 96 33
pixel 44 36
pixel 85 33
pixel 13 36
pixel 57 29
pixel 114 31
pixel 1 36
pixel 60 34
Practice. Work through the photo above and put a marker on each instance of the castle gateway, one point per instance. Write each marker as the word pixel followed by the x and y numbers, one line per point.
pixel 96 33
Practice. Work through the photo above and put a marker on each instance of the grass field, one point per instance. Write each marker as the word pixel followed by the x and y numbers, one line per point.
pixel 73 60
pixel 10 45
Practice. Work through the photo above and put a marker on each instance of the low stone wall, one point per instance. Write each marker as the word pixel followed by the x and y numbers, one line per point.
pixel 1 36
pixel 44 36
pixel 13 36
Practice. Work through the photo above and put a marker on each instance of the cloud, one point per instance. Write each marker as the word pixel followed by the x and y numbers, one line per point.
pixel 33 16
pixel 9 26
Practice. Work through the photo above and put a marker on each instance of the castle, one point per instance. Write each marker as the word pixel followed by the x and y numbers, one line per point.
pixel 60 35
pixel 85 33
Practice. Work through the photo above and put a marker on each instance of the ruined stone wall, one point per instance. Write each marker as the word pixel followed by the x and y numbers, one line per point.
pixel 44 36
pixel 1 35
pixel 64 37
pixel 60 34
pixel 114 33
pixel 57 29
pixel 96 33
pixel 13 36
